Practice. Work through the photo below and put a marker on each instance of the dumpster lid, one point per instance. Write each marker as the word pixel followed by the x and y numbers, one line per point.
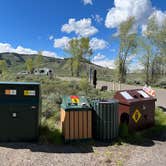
pixel 105 101
pixel 131 96
pixel 75 102
pixel 21 83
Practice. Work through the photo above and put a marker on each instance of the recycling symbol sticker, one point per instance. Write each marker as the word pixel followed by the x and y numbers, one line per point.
pixel 75 99
pixel 136 116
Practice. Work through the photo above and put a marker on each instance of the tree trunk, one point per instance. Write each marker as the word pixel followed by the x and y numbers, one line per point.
pixel 71 68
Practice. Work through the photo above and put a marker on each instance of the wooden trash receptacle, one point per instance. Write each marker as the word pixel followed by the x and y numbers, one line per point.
pixel 76 118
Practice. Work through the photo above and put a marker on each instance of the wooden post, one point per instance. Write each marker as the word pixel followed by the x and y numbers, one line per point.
pixel 113 86
pixel 119 85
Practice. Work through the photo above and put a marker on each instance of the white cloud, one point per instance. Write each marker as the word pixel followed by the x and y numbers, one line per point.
pixel 124 9
pixel 62 42
pixel 131 57
pixel 82 27
pixel 106 63
pixel 50 54
pixel 95 43
pixel 88 2
pixel 103 61
pixel 160 18
pixel 98 44
pixel 135 67
pixel 7 48
pixel 22 50
pixel 51 37
pixel 97 18
pixel 99 56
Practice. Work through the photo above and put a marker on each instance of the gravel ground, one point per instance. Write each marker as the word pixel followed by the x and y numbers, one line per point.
pixel 152 153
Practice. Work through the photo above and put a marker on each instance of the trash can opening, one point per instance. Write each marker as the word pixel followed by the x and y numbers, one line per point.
pixel 124 118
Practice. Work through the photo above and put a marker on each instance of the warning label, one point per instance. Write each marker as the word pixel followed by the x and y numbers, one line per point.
pixel 136 116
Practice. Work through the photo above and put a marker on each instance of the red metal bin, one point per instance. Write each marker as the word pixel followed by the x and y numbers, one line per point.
pixel 136 108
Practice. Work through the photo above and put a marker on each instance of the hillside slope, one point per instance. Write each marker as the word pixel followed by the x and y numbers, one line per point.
pixel 16 63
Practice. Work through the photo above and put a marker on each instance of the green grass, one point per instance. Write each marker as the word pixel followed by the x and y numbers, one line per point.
pixel 50 132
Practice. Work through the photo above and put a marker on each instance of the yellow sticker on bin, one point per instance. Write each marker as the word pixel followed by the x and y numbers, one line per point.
pixel 29 93
pixel 136 116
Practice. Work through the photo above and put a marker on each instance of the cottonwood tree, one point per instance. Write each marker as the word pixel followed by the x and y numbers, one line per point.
pixel 156 34
pixel 29 65
pixel 128 44
pixel 146 58
pixel 38 60
pixel 80 50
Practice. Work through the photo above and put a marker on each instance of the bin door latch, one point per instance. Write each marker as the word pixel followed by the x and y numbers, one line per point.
pixel 33 107
pixel 14 114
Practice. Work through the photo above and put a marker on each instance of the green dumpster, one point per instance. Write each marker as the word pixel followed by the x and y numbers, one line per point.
pixel 19 111
pixel 105 119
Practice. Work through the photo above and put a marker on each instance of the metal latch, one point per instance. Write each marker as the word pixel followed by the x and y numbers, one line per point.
pixel 33 107
pixel 14 114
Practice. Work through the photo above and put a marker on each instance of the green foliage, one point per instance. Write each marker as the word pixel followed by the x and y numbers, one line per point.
pixel 123 131
pixel 49 132
pixel 3 67
pixel 161 83
pixel 156 35
pixel 128 46
pixel 38 61
pixel 29 65
pixel 146 58
pixel 79 49
pixel 84 85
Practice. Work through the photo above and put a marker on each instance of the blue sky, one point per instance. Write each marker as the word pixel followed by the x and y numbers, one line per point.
pixel 30 23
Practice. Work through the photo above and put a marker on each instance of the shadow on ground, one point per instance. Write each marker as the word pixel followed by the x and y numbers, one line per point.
pixel 50 148
pixel 87 146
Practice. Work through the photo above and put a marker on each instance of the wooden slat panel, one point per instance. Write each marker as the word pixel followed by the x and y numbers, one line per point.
pixel 62 120
pixel 67 126
pixel 89 124
pixel 71 125
pixel 85 121
pixel 76 126
pixel 80 114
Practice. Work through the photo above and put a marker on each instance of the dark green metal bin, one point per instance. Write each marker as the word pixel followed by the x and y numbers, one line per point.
pixel 19 111
pixel 105 119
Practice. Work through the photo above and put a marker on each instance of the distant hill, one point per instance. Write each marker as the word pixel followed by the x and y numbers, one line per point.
pixel 16 63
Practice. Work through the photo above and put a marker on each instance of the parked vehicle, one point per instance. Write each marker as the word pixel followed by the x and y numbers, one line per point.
pixel 43 71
